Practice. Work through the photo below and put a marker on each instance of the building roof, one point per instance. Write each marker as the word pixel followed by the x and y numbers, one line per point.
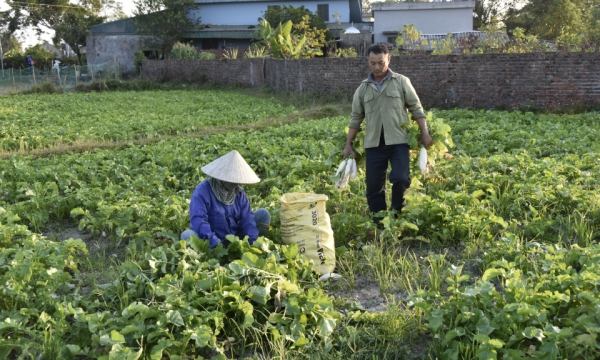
pixel 222 32
pixel 250 31
pixel 118 27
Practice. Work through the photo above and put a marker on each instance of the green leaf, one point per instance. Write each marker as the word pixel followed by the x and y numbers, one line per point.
pixel 135 308
pixel 202 335
pixel 496 343
pixel 131 329
pixel 326 325
pixel 491 274
pixel 483 326
pixel 487 354
pixel 174 317
pixel 585 339
pixel 436 320
pixel 157 350
pixel 116 336
pixel 275 317
pixel 450 335
pixel 258 294
pixel 532 332
pixel 120 352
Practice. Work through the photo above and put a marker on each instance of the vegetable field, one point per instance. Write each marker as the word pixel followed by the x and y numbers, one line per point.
pixel 37 122
pixel 495 256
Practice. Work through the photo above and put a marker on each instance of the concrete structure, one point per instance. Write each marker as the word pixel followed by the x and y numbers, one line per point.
pixel 247 12
pixel 359 41
pixel 112 42
pixel 428 17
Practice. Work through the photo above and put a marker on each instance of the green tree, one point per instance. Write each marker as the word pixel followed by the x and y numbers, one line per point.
pixel 282 44
pixel 72 28
pixel 33 13
pixel 69 20
pixel 280 15
pixel 10 42
pixel 488 13
pixel 547 18
pixel 163 21
pixel 109 9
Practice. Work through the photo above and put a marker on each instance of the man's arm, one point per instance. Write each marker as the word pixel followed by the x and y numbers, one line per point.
pixel 425 139
pixel 348 148
pixel 356 119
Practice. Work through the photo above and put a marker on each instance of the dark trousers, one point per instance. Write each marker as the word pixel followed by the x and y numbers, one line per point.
pixel 377 165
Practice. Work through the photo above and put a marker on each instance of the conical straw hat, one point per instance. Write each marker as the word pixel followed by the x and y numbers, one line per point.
pixel 231 168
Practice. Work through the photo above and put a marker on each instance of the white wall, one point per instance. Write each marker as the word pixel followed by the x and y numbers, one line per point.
pixel 248 13
pixel 426 20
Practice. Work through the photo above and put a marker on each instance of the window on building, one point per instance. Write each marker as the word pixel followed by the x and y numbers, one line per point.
pixel 208 44
pixel 392 39
pixel 323 10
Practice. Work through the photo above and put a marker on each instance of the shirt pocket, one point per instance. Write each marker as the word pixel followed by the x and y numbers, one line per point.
pixel 393 98
pixel 368 102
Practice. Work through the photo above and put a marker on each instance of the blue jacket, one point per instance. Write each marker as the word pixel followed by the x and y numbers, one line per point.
pixel 213 220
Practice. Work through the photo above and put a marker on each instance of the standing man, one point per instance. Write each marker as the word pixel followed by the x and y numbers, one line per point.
pixel 28 61
pixel 384 99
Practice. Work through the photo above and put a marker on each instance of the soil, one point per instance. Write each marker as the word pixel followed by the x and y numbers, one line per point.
pixel 96 245
pixel 366 292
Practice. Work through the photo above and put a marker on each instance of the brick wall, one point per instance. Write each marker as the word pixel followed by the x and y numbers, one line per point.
pixel 245 72
pixel 548 80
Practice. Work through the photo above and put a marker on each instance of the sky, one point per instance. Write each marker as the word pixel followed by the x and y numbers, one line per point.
pixel 30 38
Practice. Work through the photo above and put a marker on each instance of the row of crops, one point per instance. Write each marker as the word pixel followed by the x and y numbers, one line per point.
pixel 33 122
pixel 518 201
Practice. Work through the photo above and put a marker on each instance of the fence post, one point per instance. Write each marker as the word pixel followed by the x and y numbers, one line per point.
pixel 13 74
pixel 76 76
pixel 92 72
pixel 33 74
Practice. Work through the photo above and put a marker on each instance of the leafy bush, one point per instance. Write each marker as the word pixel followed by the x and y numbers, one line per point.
pixel 206 55
pixel 183 52
pixel 256 51
pixel 533 300
pixel 44 88
pixel 187 299
pixel 138 57
pixel 346 53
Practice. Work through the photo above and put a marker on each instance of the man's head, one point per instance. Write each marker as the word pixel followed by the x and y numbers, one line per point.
pixel 379 60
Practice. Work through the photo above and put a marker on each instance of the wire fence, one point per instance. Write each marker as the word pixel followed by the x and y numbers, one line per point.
pixel 67 77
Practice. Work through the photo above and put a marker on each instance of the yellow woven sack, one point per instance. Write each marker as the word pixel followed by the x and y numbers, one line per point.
pixel 305 222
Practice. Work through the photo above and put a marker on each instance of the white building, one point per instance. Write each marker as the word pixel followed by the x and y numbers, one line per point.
pixel 247 12
pixel 233 23
pixel 439 17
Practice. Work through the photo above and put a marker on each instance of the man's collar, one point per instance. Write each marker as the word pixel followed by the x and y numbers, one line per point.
pixel 389 74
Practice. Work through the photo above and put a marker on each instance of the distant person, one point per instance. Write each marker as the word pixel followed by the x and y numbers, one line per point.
pixel 384 100
pixel 29 61
pixel 219 206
